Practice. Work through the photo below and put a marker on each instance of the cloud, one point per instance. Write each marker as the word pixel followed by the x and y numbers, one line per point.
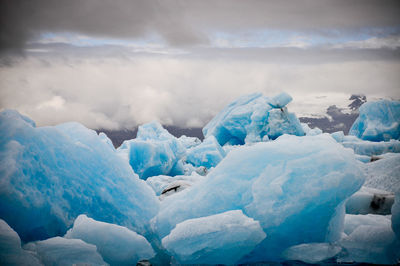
pixel 185 90
pixel 390 42
pixel 187 23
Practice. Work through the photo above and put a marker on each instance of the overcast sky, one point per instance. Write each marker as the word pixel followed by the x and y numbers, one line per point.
pixel 117 64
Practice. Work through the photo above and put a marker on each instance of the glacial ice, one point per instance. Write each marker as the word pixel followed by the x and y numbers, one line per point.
pixel 378 121
pixel 396 216
pixel 365 147
pixel 65 252
pixel 287 184
pixel 161 182
pixel 208 154
pixel 154 152
pixel 117 244
pixel 369 239
pixel 384 173
pixel 217 239
pixel 50 175
pixel 11 252
pixel 370 200
pixel 252 117
pixel 189 142
pixel 312 253
pixel 310 131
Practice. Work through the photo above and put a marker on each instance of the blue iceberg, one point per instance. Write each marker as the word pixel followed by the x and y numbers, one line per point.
pixel 154 152
pixel 217 239
pixel 50 175
pixel 369 239
pixel 287 184
pixel 208 154
pixel 117 244
pixel 378 121
pixel 65 252
pixel 253 118
pixel 11 252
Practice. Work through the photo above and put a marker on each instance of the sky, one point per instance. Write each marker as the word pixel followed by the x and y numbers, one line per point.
pixel 118 64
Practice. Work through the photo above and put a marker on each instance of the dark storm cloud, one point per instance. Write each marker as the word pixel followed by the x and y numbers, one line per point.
pixel 182 23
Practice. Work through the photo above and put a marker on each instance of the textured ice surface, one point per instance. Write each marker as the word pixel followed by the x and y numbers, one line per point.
pixel 310 131
pixel 161 182
pixel 369 239
pixel 370 200
pixel 11 252
pixel 217 239
pixel 396 216
pixel 287 184
pixel 378 121
pixel 189 142
pixel 252 118
pixel 154 152
pixel 371 148
pixel 207 154
pixel 65 252
pixel 384 173
pixel 312 253
pixel 117 244
pixel 50 175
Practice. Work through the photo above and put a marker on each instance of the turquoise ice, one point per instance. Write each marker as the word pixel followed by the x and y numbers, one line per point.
pixel 378 121
pixel 253 118
pixel 50 175
pixel 287 184
pixel 154 152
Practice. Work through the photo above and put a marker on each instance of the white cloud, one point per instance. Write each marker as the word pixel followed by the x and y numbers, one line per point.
pixel 391 42
pixel 186 91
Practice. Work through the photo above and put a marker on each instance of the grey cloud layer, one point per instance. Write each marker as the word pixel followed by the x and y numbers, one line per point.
pixel 183 23
pixel 186 90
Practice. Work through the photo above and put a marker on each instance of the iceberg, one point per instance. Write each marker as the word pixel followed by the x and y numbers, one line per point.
pixel 11 252
pixel 378 121
pixel 252 118
pixel 396 216
pixel 65 252
pixel 217 239
pixel 312 253
pixel 370 200
pixel 50 175
pixel 117 244
pixel 162 182
pixel 287 184
pixel 154 152
pixel 369 239
pixel 189 142
pixel 208 154
pixel 384 173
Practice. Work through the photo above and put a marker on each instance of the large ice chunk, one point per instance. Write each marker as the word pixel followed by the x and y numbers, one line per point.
pixel 207 154
pixel 11 252
pixel 290 183
pixel 117 244
pixel 370 200
pixel 252 118
pixel 396 216
pixel 154 152
pixel 50 175
pixel 384 173
pixel 378 121
pixel 369 239
pixel 312 253
pixel 217 239
pixel 161 182
pixel 65 252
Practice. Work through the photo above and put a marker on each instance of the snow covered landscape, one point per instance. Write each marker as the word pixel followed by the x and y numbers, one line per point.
pixel 260 187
